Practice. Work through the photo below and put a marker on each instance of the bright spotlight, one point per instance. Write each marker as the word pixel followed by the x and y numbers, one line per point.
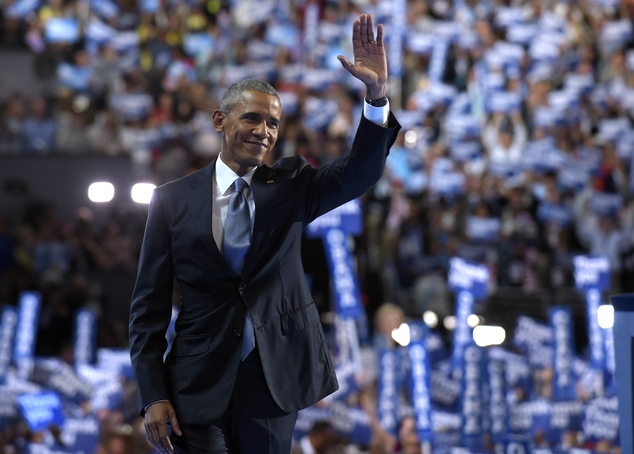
pixel 101 191
pixel 450 322
pixel 142 192
pixel 473 320
pixel 401 334
pixel 430 318
pixel 410 139
pixel 605 314
pixel 485 335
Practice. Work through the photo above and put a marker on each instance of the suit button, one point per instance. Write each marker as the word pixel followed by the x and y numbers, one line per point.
pixel 237 333
pixel 241 288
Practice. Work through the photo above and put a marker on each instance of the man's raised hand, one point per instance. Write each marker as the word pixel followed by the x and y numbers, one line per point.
pixel 370 62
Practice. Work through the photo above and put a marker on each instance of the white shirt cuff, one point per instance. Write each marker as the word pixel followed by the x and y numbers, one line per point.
pixel 378 115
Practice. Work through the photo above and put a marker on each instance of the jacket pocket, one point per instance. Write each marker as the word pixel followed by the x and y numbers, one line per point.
pixel 190 344
pixel 299 319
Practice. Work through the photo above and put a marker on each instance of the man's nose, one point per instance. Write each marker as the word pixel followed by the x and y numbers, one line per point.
pixel 260 129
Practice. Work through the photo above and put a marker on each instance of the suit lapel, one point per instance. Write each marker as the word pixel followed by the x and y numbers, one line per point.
pixel 200 208
pixel 264 185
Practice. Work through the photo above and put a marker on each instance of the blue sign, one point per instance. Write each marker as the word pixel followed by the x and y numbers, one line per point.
pixel 563 335
pixel 601 419
pixel 389 390
pixel 595 333
pixel 591 272
pixel 462 335
pixel 61 29
pixel 28 319
pixel 347 218
pixel 351 422
pixel 81 434
pixel 483 229
pixel 468 276
pixel 347 296
pixel 56 375
pixel 85 341
pixel 497 399
pixel 420 372
pixel 41 410
pixel 536 339
pixel 472 398
pixel 8 325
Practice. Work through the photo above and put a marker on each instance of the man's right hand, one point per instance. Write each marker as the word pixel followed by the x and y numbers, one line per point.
pixel 156 417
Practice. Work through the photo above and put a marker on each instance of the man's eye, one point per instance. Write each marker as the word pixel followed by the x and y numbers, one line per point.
pixel 273 125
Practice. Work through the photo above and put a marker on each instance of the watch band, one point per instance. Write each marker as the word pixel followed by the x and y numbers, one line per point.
pixel 377 102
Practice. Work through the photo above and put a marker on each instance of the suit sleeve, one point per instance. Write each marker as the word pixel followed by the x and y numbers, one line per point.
pixel 151 307
pixel 356 171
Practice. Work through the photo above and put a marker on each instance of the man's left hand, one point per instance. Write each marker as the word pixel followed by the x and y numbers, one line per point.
pixel 370 62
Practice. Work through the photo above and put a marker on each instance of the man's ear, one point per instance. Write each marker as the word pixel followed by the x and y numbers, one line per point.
pixel 217 119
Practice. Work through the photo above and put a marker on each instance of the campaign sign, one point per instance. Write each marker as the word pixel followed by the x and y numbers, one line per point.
pixel 536 339
pixel 560 318
pixel 601 419
pixel 420 371
pixel 8 325
pixel 472 397
pixel 61 29
pixel 595 333
pixel 497 399
pixel 346 288
pixel 517 445
pixel 553 213
pixel 462 335
pixel 41 410
pixel 116 360
pixel 81 435
pixel 389 390
pixel 85 339
pixel 105 8
pixel 351 422
pixel 468 276
pixel 591 272
pixel 445 390
pixel 482 229
pixel 21 8
pixel 56 375
pixel 28 318
pixel 347 218
pixel 605 204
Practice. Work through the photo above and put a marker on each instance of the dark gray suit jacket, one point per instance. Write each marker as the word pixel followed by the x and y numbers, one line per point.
pixel 201 368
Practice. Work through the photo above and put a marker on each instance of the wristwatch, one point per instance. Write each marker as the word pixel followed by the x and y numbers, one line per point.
pixel 377 102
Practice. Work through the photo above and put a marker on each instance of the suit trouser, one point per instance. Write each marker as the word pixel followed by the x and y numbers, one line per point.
pixel 252 424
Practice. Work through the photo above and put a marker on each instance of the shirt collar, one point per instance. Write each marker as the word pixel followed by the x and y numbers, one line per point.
pixel 225 176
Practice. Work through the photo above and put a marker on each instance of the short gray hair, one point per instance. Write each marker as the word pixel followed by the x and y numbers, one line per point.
pixel 234 94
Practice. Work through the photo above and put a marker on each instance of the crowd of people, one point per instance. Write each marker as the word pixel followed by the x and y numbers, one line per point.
pixel 516 149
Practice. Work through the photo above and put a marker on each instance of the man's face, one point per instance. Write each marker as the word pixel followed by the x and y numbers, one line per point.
pixel 249 130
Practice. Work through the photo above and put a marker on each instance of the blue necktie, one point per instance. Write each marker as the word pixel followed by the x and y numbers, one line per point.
pixel 236 244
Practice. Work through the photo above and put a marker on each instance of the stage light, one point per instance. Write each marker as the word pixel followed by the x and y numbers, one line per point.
pixel 100 192
pixel 473 320
pixel 485 335
pixel 401 335
pixel 605 314
pixel 410 139
pixel 142 192
pixel 450 322
pixel 430 318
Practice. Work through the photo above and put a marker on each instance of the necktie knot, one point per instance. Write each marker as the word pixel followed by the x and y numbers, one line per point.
pixel 239 185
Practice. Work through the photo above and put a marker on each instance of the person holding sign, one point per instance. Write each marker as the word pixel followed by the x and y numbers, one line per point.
pixel 249 350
